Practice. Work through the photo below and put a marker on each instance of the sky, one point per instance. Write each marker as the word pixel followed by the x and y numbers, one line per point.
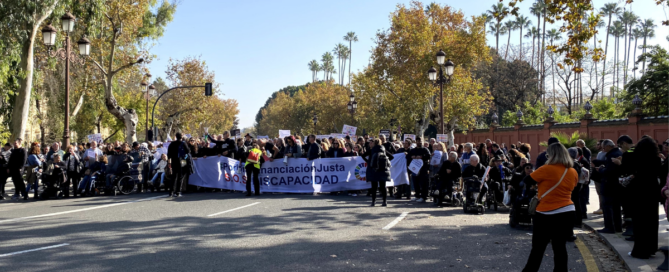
pixel 258 47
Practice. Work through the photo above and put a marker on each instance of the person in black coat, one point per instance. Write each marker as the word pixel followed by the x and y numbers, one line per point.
pixel 73 165
pixel 499 175
pixel 377 173
pixel 4 159
pixel 314 149
pixel 476 169
pixel 241 153
pixel 335 151
pixel 420 180
pixel 647 169
pixel 177 151
pixel 449 173
pixel 611 189
pixel 541 159
pixel 226 146
pixel 17 159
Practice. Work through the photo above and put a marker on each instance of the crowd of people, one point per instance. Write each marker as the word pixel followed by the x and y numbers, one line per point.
pixel 628 177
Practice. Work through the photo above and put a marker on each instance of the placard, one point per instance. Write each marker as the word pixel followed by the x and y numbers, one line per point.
pixel 187 136
pixel 262 137
pixel 349 130
pixel 415 166
pixel 95 138
pixel 238 132
pixel 436 157
pixel 442 138
pixel 284 133
pixel 385 132
pixel 322 137
pixel 483 184
pixel 410 136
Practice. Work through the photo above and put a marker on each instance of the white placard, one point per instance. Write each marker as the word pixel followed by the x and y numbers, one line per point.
pixel 410 136
pixel 349 130
pixel 284 133
pixel 442 138
pixel 436 157
pixel 95 138
pixel 415 166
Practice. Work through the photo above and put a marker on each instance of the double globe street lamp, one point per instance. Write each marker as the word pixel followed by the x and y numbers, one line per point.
pixel 441 77
pixel 352 105
pixel 49 36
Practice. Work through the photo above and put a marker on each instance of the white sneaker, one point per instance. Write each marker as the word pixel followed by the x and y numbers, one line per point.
pixel 413 199
pixel 354 194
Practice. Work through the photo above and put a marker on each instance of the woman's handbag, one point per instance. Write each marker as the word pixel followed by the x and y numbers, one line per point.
pixel 532 209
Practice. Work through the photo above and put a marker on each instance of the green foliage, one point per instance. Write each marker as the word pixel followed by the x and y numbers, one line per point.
pixel 534 114
pixel 154 22
pixel 570 140
pixel 653 86
pixel 289 90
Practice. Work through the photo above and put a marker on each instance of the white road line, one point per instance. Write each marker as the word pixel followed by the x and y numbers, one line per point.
pixel 31 250
pixel 79 210
pixel 238 208
pixel 397 220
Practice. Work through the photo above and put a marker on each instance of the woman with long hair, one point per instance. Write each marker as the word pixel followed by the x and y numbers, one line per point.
pixel 553 220
pixel 482 152
pixel 378 173
pixel 647 165
pixel 34 165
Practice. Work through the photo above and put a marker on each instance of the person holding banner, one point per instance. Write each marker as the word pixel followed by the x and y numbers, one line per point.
pixel 335 151
pixel 313 148
pixel 293 149
pixel 378 170
pixel 224 146
pixel 254 161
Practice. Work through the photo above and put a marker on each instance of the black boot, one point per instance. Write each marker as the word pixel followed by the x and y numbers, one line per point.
pixel 384 204
pixel 373 203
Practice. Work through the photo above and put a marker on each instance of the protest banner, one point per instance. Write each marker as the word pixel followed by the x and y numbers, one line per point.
pixel 262 137
pixel 442 138
pixel 415 166
pixel 95 138
pixel 410 136
pixel 436 157
pixel 297 176
pixel 322 137
pixel 349 130
pixel 284 133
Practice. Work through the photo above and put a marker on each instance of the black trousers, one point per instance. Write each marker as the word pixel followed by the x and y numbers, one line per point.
pixel 421 186
pixel 646 225
pixel 177 180
pixel 576 198
pixel 612 213
pixel 72 178
pixel 19 184
pixel 553 229
pixel 252 177
pixel 3 180
pixel 381 186
pixel 445 189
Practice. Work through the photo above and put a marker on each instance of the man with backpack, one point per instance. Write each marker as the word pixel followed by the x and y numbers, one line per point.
pixel 177 155
pixel 378 169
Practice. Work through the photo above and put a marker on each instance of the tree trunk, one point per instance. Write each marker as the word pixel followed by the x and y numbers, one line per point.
pixel 520 56
pixel 606 49
pixel 508 41
pixel 634 58
pixel 22 104
pixel 350 59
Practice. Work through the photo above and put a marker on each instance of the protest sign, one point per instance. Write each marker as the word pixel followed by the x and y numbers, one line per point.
pixel 284 133
pixel 487 170
pixel 238 133
pixel 262 137
pixel 349 130
pixel 322 137
pixel 410 136
pixel 385 132
pixel 415 166
pixel 188 136
pixel 436 157
pixel 297 176
pixel 442 138
pixel 95 138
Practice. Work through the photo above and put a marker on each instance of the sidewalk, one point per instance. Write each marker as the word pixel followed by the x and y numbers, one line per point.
pixel 622 247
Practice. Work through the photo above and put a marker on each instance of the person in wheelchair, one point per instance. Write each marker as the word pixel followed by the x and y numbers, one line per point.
pixel 53 177
pixel 449 173
pixel 499 176
pixel 123 169
pixel 520 194
pixel 475 169
pixel 96 170
pixel 159 166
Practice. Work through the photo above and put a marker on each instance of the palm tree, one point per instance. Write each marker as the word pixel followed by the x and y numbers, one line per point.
pixel 314 67
pixel 600 24
pixel 498 12
pixel 532 33
pixel 521 22
pixel 609 10
pixel 648 31
pixel 637 33
pixel 496 29
pixel 617 31
pixel 629 19
pixel 536 10
pixel 345 54
pixel 486 20
pixel 327 66
pixel 339 50
pixel 509 26
pixel 350 38
pixel 553 35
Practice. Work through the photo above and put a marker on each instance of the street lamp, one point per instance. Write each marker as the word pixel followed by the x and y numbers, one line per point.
pixel 315 119
pixel 49 37
pixel 441 76
pixel 352 105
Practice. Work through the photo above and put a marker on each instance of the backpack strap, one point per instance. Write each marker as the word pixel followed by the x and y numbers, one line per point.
pixel 556 185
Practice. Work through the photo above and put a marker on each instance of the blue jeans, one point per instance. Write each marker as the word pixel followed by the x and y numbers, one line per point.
pixel 108 180
pixel 162 179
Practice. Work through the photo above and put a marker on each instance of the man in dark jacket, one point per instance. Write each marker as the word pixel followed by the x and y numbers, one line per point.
pixel 17 159
pixel 388 146
pixel 611 189
pixel 4 159
pixel 586 152
pixel 541 159
pixel 241 155
pixel 421 179
pixel 225 146
pixel 176 152
pixel 449 173
pixel 314 148
pixel 377 173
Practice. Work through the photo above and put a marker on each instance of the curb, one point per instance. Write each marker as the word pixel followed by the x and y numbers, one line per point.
pixel 608 244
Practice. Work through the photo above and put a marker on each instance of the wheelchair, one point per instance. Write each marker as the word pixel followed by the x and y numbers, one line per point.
pixel 519 213
pixel 495 194
pixel 471 192
pixel 453 199
pixel 124 182
pixel 53 186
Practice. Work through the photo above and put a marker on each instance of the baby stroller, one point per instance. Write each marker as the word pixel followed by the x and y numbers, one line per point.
pixel 471 192
pixel 519 213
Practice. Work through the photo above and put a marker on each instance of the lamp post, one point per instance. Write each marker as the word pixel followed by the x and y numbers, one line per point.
pixel 315 119
pixel 443 77
pixel 147 89
pixel 352 105
pixel 49 37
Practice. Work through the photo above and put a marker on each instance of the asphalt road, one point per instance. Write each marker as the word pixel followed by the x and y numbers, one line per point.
pixel 283 232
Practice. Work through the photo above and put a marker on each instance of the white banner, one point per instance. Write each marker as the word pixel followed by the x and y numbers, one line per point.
pixel 298 176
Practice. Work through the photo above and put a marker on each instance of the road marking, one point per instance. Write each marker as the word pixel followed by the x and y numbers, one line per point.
pixel 238 208
pixel 31 250
pixel 80 210
pixel 590 264
pixel 397 220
